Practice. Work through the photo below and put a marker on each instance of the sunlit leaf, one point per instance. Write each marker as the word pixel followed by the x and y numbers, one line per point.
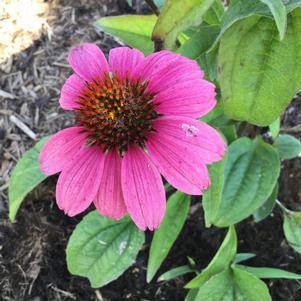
pixel 134 31
pixel 255 67
pixel 175 17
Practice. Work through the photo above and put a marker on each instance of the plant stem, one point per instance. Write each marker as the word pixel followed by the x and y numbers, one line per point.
pixel 153 7
pixel 283 207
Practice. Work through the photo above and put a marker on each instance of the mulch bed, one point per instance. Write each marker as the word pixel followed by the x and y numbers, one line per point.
pixel 32 256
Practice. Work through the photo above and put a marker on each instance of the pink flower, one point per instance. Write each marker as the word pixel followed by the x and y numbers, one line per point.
pixel 136 120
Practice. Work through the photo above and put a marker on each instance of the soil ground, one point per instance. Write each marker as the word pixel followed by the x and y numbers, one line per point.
pixel 32 256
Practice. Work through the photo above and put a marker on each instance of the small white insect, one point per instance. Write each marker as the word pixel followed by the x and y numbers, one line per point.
pixel 190 130
pixel 122 247
pixel 102 242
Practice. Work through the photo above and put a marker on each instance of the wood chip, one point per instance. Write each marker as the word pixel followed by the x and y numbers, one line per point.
pixel 6 95
pixel 23 127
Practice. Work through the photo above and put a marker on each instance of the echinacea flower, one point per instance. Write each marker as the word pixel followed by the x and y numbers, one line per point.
pixel 135 121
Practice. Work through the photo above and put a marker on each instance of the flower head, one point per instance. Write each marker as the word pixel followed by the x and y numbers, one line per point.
pixel 135 121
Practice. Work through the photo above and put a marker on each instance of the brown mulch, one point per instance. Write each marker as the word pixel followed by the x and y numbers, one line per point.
pixel 32 257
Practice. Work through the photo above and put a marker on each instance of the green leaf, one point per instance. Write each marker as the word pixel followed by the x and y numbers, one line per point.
pixel 192 294
pixel 266 209
pixel 199 42
pixel 221 261
pixel 292 230
pixel 251 171
pixel 176 16
pixel 171 226
pixel 233 285
pixel 288 146
pixel 255 67
pixel 269 273
pixel 215 13
pixel 229 132
pixel 278 11
pixel 134 31
pixel 239 10
pixel 102 249
pixel 275 128
pixel 173 273
pixel 24 178
pixel 212 197
pixel 239 257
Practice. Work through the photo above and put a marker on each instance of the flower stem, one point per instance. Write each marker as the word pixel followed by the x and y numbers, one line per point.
pixel 283 207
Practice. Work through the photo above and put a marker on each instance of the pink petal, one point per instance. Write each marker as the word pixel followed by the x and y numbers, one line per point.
pixel 88 61
pixel 182 171
pixel 124 60
pixel 193 135
pixel 71 92
pixel 60 149
pixel 109 200
pixel 143 189
pixel 79 181
pixel 165 69
pixel 180 148
pixel 193 98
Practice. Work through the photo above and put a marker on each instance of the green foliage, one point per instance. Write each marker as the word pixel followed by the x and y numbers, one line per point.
pixel 171 226
pixel 292 229
pixel 200 41
pixel 266 209
pixel 213 196
pixel 176 272
pixel 215 13
pixel 278 11
pixel 239 10
pixel 275 128
pixel 175 17
pixel 288 146
pixel 233 285
pixel 102 249
pixel 258 74
pixel 243 256
pixel 134 31
pixel 24 178
pixel 251 171
pixel 221 261
pixel 269 273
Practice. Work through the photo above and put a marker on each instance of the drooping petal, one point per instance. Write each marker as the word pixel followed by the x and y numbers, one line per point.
pixel 192 98
pixel 181 171
pixel 79 181
pixel 88 61
pixel 109 199
pixel 192 135
pixel 60 149
pixel 71 92
pixel 165 69
pixel 180 148
pixel 143 189
pixel 124 60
